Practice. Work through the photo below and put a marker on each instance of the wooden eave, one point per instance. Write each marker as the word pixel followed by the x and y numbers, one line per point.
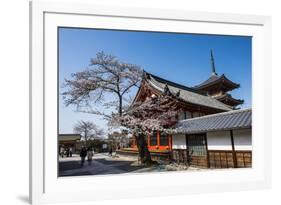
pixel 143 86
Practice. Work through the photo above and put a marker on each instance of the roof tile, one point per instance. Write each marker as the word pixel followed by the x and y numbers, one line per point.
pixel 187 94
pixel 222 121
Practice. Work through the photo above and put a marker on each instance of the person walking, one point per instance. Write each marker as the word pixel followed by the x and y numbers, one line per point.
pixel 67 152
pixel 83 154
pixel 110 151
pixel 90 155
pixel 70 151
pixel 62 152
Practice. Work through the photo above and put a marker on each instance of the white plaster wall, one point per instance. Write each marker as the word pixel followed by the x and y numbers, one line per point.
pixel 178 142
pixel 243 139
pixel 219 140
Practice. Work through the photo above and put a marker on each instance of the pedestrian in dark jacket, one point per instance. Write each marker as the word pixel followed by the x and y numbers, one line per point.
pixel 110 151
pixel 83 155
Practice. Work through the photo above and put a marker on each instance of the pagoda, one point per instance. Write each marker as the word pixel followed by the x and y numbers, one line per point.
pixel 219 87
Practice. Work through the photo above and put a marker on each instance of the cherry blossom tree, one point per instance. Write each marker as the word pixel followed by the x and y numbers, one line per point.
pixel 106 75
pixel 157 113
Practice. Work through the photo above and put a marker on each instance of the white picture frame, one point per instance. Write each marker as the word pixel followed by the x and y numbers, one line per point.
pixel 46 187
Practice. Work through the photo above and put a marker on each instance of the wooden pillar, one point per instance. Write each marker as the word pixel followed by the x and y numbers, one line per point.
pixel 170 142
pixel 187 151
pixel 233 149
pixel 134 141
pixel 207 152
pixel 158 138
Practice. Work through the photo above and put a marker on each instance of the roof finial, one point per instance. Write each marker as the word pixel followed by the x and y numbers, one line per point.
pixel 213 64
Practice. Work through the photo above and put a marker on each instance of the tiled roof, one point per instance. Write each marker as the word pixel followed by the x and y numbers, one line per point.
pixel 223 121
pixel 215 79
pixel 211 79
pixel 228 97
pixel 187 94
pixel 69 137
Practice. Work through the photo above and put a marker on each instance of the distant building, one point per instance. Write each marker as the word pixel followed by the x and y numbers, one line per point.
pixel 70 141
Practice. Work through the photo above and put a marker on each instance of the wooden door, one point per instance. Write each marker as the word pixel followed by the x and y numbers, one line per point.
pixel 197 150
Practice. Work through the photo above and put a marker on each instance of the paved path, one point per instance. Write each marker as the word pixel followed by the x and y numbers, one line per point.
pixel 101 164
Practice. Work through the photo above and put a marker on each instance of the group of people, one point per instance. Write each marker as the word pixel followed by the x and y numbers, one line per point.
pixel 86 152
pixel 66 152
pixel 89 153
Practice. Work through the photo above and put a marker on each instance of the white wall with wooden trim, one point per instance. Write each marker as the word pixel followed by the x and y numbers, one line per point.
pixel 242 139
pixel 178 142
pixel 219 140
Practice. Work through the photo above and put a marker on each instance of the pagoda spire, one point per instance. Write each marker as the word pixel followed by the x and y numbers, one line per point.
pixel 213 64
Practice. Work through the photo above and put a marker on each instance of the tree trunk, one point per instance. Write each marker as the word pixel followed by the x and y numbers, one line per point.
pixel 144 153
pixel 120 105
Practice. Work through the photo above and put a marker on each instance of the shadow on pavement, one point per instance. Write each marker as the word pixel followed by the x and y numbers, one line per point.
pixel 98 167
pixel 126 166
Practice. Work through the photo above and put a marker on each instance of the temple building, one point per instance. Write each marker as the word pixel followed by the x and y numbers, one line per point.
pixel 211 101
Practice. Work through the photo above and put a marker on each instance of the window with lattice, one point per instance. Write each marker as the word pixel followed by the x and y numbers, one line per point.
pixel 197 145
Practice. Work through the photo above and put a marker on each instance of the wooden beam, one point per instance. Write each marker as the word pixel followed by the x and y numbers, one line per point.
pixel 233 149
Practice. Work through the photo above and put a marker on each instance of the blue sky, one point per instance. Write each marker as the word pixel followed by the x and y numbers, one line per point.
pixel 182 58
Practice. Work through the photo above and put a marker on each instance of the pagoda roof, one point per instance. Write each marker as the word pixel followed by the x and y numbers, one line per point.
pixel 187 94
pixel 229 100
pixel 214 79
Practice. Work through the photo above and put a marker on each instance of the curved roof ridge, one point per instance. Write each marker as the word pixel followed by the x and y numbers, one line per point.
pixel 175 84
pixel 213 79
